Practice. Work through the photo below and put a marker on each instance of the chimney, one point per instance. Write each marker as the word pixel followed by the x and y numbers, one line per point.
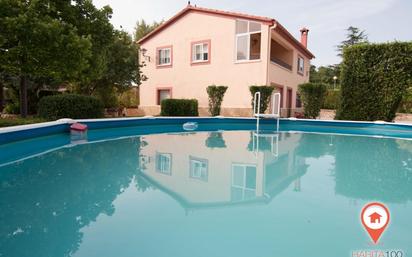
pixel 304 37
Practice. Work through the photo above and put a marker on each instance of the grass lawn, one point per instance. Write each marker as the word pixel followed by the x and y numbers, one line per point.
pixel 7 122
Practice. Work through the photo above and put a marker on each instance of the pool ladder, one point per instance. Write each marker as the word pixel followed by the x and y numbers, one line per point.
pixel 275 109
pixel 274 142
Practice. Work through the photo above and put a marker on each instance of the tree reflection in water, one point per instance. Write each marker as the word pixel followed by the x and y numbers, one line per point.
pixel 374 169
pixel 46 200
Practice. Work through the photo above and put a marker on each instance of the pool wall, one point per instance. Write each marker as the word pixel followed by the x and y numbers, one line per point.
pixel 156 124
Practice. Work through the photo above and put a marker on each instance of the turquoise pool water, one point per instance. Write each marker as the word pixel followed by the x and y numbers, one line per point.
pixel 220 194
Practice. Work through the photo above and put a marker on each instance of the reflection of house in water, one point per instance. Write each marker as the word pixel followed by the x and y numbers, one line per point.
pixel 198 174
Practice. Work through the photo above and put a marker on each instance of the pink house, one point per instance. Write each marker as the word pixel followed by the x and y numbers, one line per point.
pixel 199 47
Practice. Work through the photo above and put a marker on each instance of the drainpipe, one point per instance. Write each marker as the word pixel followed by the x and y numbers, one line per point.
pixel 268 57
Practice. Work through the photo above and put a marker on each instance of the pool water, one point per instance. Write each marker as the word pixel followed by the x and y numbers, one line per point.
pixel 195 194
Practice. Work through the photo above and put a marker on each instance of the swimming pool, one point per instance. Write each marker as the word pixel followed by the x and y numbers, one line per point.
pixel 150 188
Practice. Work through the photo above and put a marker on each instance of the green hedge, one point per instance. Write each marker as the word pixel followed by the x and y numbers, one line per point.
pixel 373 80
pixel 332 99
pixel 312 96
pixel 216 94
pixel 265 94
pixel 70 106
pixel 406 104
pixel 179 107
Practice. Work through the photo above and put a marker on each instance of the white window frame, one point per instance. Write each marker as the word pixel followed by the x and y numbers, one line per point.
pixel 202 44
pixel 248 34
pixel 161 167
pixel 159 50
pixel 303 65
pixel 197 174
pixel 244 188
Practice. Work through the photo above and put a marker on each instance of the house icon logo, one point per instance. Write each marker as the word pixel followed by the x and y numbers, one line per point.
pixel 375 217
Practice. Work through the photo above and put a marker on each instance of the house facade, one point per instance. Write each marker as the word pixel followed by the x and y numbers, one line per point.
pixel 199 47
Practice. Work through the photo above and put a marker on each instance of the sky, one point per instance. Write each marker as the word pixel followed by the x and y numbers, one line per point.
pixel 382 20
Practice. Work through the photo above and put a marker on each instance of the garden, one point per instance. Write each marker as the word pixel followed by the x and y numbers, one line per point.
pixel 90 63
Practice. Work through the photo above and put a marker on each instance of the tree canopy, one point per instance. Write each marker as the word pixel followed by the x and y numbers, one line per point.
pixel 143 28
pixel 55 42
pixel 354 36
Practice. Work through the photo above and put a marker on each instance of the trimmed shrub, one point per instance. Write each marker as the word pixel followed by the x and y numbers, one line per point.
pixel 373 80
pixel 179 107
pixel 265 94
pixel 312 96
pixel 216 94
pixel 332 99
pixel 70 106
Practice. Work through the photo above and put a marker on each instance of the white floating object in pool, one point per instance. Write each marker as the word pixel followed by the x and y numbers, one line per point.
pixel 190 126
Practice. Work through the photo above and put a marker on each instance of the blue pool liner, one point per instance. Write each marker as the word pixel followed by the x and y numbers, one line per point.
pixel 20 141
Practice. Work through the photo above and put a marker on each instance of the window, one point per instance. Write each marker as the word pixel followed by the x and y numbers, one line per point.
pixel 164 93
pixel 248 40
pixel 243 182
pixel 200 52
pixel 164 56
pixel 164 163
pixel 301 65
pixel 198 168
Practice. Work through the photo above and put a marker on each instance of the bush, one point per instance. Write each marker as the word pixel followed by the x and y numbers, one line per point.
pixel 332 99
pixel 108 96
pixel 312 96
pixel 179 107
pixel 265 94
pixel 129 98
pixel 374 78
pixel 70 106
pixel 406 104
pixel 216 94
pixel 12 108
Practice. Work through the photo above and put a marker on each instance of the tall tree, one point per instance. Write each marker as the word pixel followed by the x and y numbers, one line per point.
pixel 114 66
pixel 143 28
pixel 95 24
pixel 353 36
pixel 39 44
pixel 122 68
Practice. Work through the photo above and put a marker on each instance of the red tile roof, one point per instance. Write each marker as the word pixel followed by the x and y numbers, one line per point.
pixel 269 21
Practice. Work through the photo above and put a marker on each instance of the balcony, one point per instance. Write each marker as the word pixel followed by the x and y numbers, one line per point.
pixel 281 55
pixel 281 63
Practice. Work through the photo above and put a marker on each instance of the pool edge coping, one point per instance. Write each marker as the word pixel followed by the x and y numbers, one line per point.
pixel 22 132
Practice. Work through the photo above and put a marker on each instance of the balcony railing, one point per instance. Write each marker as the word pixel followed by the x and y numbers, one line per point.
pixel 281 63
